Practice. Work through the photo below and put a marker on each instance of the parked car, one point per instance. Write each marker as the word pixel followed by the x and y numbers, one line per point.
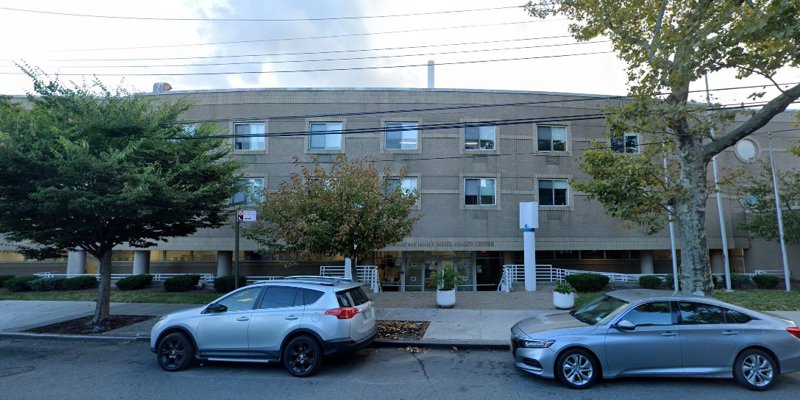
pixel 654 333
pixel 296 321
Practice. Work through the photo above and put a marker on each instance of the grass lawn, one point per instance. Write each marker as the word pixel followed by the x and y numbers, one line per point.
pixel 130 296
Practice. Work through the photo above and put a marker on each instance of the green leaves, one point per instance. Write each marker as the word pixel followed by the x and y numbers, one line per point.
pixel 89 168
pixel 349 209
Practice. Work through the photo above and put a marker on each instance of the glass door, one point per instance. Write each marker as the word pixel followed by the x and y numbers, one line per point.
pixel 414 275
pixel 466 268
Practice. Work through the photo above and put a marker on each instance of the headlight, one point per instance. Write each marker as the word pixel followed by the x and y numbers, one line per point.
pixel 536 343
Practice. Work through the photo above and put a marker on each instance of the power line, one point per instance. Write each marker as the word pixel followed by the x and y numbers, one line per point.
pixel 339 59
pixel 167 19
pixel 308 37
pixel 299 53
pixel 324 69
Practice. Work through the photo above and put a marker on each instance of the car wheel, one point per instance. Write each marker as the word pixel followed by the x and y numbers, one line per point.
pixel 577 369
pixel 175 352
pixel 755 370
pixel 302 356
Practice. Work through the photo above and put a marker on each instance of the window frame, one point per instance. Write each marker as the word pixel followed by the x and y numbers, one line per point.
pixel 625 149
pixel 248 201
pixel 403 129
pixel 236 136
pixel 551 126
pixel 417 205
pixel 478 147
pixel 311 134
pixel 478 196
pixel 567 193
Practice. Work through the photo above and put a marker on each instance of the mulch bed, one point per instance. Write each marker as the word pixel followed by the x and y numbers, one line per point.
pixel 389 330
pixel 83 326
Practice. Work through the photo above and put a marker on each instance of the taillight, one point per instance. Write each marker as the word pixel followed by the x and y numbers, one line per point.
pixel 795 331
pixel 343 312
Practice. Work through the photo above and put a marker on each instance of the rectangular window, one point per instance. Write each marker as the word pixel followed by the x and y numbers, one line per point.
pixel 479 191
pixel 249 136
pixel 628 143
pixel 479 138
pixel 322 140
pixel 408 185
pixel 401 135
pixel 553 192
pixel 253 192
pixel 551 138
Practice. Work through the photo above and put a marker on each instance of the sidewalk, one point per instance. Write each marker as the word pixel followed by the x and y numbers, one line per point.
pixel 479 319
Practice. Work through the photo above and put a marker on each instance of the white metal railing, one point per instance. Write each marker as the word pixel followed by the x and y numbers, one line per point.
pixel 159 277
pixel 776 272
pixel 366 274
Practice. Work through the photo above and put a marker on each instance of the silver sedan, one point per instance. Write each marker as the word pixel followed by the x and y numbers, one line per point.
pixel 650 333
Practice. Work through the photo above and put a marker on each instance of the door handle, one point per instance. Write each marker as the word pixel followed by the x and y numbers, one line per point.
pixel 243 319
pixel 292 317
pixel 730 333
pixel 669 334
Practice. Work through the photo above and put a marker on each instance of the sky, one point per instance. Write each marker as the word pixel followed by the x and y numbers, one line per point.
pixel 197 45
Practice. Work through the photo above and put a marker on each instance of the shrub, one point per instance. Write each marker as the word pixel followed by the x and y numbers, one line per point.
pixel 80 283
pixel 20 283
pixel 47 284
pixel 564 288
pixel 224 284
pixel 135 282
pixel 181 283
pixel 4 278
pixel 587 282
pixel 766 281
pixel 740 281
pixel 650 281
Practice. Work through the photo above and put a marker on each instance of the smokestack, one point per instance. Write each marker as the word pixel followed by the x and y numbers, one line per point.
pixel 430 74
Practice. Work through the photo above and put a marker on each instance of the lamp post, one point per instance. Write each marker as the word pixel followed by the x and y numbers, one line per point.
pixel 779 215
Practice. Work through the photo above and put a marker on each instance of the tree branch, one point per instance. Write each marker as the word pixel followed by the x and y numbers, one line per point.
pixel 758 120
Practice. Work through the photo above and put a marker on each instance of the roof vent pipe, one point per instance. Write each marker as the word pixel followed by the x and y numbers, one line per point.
pixel 430 74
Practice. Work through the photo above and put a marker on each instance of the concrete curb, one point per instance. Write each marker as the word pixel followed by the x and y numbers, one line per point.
pixel 428 344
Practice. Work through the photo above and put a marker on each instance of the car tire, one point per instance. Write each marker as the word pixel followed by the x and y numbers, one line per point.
pixel 175 352
pixel 302 356
pixel 577 369
pixel 755 370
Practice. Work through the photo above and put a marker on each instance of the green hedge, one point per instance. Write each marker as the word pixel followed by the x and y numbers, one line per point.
pixel 587 282
pixel 20 283
pixel 650 281
pixel 741 281
pixel 224 284
pixel 181 283
pixel 135 282
pixel 81 283
pixel 4 278
pixel 766 281
pixel 47 284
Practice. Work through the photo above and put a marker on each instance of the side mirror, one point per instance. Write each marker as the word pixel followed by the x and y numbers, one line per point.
pixel 625 325
pixel 216 308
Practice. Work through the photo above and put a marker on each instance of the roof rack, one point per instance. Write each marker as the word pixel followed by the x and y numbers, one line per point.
pixel 318 278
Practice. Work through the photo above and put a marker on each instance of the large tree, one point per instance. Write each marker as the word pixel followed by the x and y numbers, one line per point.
pixel 667 45
pixel 758 200
pixel 348 209
pixel 87 168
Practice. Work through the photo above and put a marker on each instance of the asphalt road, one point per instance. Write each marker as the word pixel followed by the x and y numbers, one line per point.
pixel 65 370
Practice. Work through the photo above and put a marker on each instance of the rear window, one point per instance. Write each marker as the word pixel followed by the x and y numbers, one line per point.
pixel 352 297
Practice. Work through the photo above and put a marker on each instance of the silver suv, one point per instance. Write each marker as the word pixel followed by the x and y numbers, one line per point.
pixel 296 321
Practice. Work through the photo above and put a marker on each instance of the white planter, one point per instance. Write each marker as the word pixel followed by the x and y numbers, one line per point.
pixel 446 298
pixel 563 300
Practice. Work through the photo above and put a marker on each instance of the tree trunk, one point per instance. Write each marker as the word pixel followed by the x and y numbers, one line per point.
pixel 690 209
pixel 103 309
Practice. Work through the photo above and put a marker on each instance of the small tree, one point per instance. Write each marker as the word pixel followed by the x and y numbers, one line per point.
pixel 87 168
pixel 349 209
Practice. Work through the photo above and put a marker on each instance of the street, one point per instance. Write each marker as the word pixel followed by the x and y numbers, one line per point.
pixel 64 370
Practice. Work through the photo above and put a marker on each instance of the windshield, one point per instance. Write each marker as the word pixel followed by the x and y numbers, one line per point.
pixel 598 309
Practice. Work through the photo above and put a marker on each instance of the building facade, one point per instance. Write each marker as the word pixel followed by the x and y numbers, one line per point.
pixel 472 156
